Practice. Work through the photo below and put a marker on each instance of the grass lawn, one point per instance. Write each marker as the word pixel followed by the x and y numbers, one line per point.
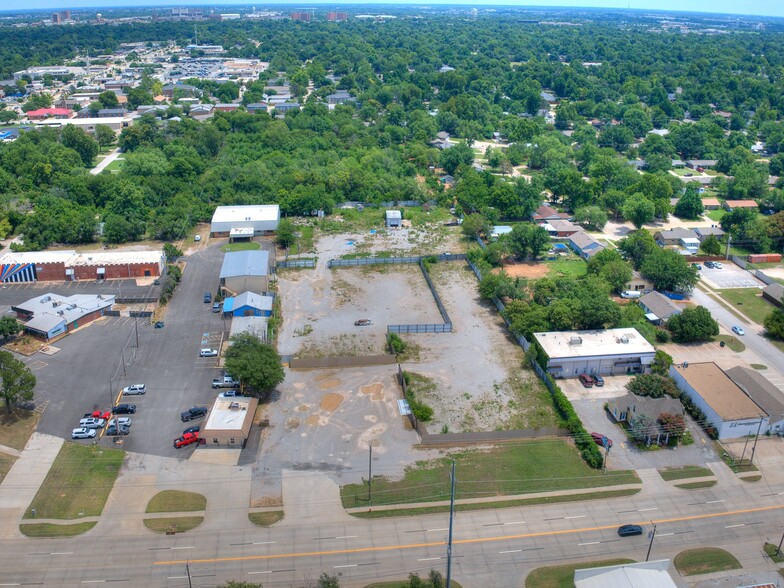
pixel 771 550
pixel 176 501
pixel 684 472
pixel 730 341
pixel 514 468
pixel 405 583
pixel 304 242
pixel 696 485
pixel 749 301
pixel 751 478
pixel 16 428
pixel 178 524
pixel 705 560
pixel 6 461
pixel 346 220
pixel 759 366
pixel 50 530
pixel 78 483
pixel 576 268
pixel 265 519
pixel 715 215
pixel 242 246
pixel 563 576
pixel 115 165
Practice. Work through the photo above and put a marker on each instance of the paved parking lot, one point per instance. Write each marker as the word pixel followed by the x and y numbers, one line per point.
pixel 11 294
pixel 93 364
pixel 729 276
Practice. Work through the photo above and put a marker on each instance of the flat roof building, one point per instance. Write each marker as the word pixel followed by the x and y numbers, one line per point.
pixel 50 315
pixel 647 574
pixel 763 392
pixel 262 218
pixel 68 265
pixel 248 304
pixel 229 422
pixel 606 352
pixel 727 408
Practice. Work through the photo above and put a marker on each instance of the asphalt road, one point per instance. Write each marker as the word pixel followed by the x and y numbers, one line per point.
pixel 753 339
pixel 491 548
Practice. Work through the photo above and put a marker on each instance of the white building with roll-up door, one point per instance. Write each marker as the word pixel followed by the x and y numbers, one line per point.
pixel 262 218
pixel 602 352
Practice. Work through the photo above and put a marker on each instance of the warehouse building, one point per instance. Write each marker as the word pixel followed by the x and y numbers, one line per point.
pixel 43 266
pixel 248 304
pixel 763 392
pixel 726 406
pixel 245 271
pixel 50 315
pixel 229 422
pixel 605 352
pixel 263 219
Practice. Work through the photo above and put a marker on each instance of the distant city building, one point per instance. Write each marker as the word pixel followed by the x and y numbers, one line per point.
pixel 334 16
pixel 300 16
pixel 187 13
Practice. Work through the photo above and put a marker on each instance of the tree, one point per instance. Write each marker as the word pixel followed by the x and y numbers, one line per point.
pixel 528 239
pixel 617 274
pixel 774 323
pixel 643 428
pixel 661 363
pixel 711 246
pixel 674 424
pixel 171 251
pixel 327 581
pixel 108 99
pixel 689 205
pixel 18 382
pixel 9 327
pixel 474 225
pixel 256 364
pixel 104 135
pixel 592 216
pixel 285 235
pixel 669 270
pixel 78 140
pixel 604 257
pixel 636 246
pixel 456 157
pixel 693 324
pixel 638 209
pixel 653 385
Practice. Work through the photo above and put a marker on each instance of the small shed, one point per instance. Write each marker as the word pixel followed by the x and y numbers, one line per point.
pixel 394 218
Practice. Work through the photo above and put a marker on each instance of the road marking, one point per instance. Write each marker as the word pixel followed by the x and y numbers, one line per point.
pixel 10 584
pixel 589 543
pixel 433 530
pixel 93 581
pixel 439 544
pixel 511 551
pixel 647 509
pixel 254 573
pixel 574 517
pixel 188 547
pixel 664 534
pixel 345 566
pixel 264 542
pixel 715 501
pixel 176 577
pixel 515 523
pixel 347 537
pixel 733 526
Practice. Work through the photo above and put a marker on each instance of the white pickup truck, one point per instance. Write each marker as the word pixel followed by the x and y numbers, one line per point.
pixel 225 382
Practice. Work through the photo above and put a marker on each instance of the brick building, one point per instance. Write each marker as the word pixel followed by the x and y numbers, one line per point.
pixel 47 266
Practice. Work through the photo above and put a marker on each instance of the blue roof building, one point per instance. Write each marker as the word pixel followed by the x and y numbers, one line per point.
pixel 248 304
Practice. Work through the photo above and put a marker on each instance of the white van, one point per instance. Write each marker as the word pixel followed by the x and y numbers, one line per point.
pixel 631 294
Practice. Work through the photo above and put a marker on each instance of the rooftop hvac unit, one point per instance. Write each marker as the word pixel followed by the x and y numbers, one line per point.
pixel 623 339
pixel 61 312
pixel 575 341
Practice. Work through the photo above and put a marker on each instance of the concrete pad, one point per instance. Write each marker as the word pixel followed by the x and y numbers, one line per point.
pixel 28 472
pixel 216 456
pixel 311 498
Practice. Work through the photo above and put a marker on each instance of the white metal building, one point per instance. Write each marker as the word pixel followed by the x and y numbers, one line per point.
pixel 606 352
pixel 394 218
pixel 229 422
pixel 262 218
pixel 725 405
pixel 647 574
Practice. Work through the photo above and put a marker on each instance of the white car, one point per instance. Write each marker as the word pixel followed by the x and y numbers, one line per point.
pixel 92 423
pixel 717 265
pixel 82 433
pixel 135 389
pixel 231 394
pixel 208 353
pixel 123 421
pixel 197 238
pixel 738 330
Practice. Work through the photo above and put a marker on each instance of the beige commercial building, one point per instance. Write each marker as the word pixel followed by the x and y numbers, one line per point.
pixel 229 422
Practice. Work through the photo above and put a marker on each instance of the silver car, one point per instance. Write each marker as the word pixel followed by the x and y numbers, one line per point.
pixel 92 423
pixel 134 389
pixel 82 433
pixel 123 422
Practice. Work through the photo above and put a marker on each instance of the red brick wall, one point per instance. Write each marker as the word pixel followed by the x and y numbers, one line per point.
pixel 50 272
pixel 132 270
pixel 84 320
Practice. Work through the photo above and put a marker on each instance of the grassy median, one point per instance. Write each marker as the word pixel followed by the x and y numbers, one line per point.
pixel 705 560
pixel 78 483
pixel 265 519
pixel 49 530
pixel 176 501
pixel 563 576
pixel 173 524
pixel 670 474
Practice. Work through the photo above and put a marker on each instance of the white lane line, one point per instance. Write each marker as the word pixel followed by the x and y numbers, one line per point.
pixel 511 551
pixel 61 553
pixel 347 537
pixel 647 509
pixel 254 573
pixel 664 534
pixel 574 517
pixel 515 523
pixel 184 547
pixel 433 530
pixel 176 577
pixel 263 542
pixel 346 566
pixel 733 526
pixel 715 501
pixel 590 543
pixel 10 584
pixel 428 559
pixel 93 581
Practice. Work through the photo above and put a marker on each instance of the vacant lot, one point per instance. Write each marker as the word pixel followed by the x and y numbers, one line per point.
pixel 749 301
pixel 16 428
pixel 480 382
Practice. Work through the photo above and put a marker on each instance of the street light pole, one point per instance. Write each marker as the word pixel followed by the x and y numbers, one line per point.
pixel 650 545
pixel 370 468
pixel 451 523
pixel 756 437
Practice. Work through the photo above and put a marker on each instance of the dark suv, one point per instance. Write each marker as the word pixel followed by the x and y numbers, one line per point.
pixel 629 530
pixel 193 413
pixel 124 409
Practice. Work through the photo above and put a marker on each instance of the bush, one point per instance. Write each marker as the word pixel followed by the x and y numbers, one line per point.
pixel 397 344
pixel 662 336
pixel 653 385
pixel 175 272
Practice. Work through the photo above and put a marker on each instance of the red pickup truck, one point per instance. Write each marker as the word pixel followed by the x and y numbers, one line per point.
pixel 186 439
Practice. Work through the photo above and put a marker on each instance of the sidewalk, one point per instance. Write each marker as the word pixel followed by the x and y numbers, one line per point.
pixel 10 451
pixel 105 161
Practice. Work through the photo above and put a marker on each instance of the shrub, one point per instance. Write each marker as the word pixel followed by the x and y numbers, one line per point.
pixel 397 344
pixel 662 336
pixel 653 385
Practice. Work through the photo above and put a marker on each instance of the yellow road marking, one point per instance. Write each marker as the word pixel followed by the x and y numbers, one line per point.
pixel 465 541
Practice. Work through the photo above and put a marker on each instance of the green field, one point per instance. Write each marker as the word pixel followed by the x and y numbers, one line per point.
pixel 265 519
pixel 749 301
pixel 6 461
pixel 730 341
pixel 575 268
pixel 176 501
pixel 516 468
pixel 696 485
pixel 685 472
pixel 242 246
pixel 705 560
pixel 715 215
pixel 78 483
pixel 16 428
pixel 563 576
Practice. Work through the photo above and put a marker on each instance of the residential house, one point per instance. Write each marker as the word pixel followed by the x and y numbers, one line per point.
pixel 584 245
pixel 674 236
pixel 629 408
pixel 677 163
pixel 340 97
pixel 286 106
pixel 711 203
pixel 547 213
pixel 774 293
pixel 560 228
pixel 257 107
pixel 184 89
pixel 639 283
pixel 701 163
pixel 226 107
pixel 447 180
pixel 499 230
pixel 704 232
pixel 44 113
pixel 730 205
pixel 201 111
pixel 658 308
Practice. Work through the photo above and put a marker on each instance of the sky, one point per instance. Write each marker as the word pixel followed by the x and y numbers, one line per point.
pixel 750 7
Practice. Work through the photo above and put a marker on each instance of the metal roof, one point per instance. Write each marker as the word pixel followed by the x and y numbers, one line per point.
pixel 245 263
pixel 250 299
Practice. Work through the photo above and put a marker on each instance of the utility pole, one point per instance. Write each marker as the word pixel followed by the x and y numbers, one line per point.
pixel 188 572
pixel 451 522
pixel 136 326
pixel 754 447
pixel 778 549
pixel 370 468
pixel 606 455
pixel 650 545
pixel 122 355
pixel 111 394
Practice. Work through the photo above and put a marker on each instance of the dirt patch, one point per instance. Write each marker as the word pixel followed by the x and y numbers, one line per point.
pixel 375 390
pixel 331 402
pixel 312 420
pixel 303 408
pixel 528 269
pixel 329 384
pixel 292 423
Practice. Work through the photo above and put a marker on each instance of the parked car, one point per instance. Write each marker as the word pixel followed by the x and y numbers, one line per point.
pixel 717 265
pixel 225 382
pixel 231 394
pixel 600 440
pixel 208 353
pixel 122 421
pixel 194 429
pixel 186 439
pixel 363 323
pixel 698 267
pixel 216 307
pixel 82 433
pixel 124 409
pixel 113 431
pixel 158 324
pixel 156 282
pixel 586 380
pixel 135 389
pixel 92 423
pixel 193 413
pixel 631 294
pixel 207 297
pixel 629 530
pixel 197 238
pixel 598 381
pixel 710 264
pixel 738 330
pixel 98 414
